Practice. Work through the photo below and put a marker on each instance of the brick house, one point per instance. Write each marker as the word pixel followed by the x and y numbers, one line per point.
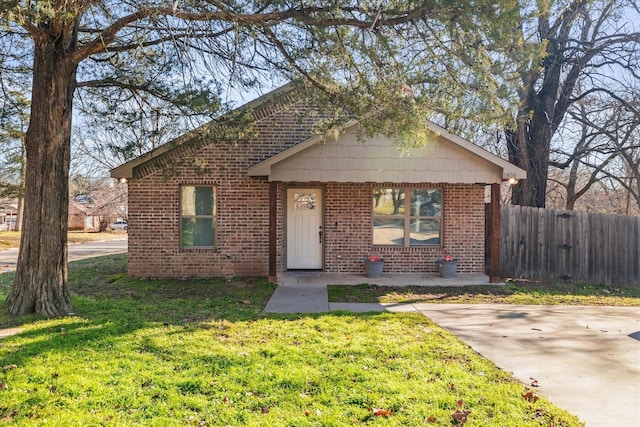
pixel 289 200
pixel 82 217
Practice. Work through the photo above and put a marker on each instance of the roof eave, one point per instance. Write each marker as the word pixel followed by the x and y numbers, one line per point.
pixel 509 170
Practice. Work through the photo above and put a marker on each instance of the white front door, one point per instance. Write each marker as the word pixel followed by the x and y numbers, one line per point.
pixel 304 228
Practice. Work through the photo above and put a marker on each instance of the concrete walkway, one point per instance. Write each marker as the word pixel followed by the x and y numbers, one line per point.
pixel 585 359
pixel 308 293
pixel 7 332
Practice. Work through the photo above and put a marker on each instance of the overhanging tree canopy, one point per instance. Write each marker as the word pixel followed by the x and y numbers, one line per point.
pixel 175 58
pixel 591 46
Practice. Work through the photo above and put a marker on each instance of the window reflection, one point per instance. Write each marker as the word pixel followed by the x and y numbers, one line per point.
pixel 425 202
pixel 388 231
pixel 407 221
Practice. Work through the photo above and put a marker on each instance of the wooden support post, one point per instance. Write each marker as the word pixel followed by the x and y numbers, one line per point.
pixel 494 235
pixel 273 231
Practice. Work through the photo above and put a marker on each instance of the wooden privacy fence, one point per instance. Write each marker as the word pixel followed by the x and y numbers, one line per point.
pixel 546 244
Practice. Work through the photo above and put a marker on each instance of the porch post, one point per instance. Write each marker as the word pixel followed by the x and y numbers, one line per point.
pixel 494 235
pixel 273 231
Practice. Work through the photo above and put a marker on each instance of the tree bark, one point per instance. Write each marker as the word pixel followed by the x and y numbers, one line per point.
pixel 544 100
pixel 538 145
pixel 40 283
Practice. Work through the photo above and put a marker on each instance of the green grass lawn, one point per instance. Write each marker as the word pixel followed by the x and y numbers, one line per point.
pixel 203 353
pixel 510 293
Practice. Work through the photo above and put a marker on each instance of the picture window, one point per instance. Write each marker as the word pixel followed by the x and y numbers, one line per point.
pixel 407 216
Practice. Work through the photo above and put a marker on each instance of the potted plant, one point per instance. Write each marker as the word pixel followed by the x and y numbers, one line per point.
pixel 374 265
pixel 447 266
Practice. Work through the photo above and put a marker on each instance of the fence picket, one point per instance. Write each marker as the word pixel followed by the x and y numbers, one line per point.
pixel 546 244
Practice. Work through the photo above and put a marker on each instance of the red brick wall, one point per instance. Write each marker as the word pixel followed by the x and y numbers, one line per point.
pixel 243 225
pixel 241 237
pixel 243 217
pixel 348 231
pixel 242 204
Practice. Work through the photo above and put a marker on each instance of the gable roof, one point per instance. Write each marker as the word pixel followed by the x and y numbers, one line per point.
pixel 447 158
pixel 258 106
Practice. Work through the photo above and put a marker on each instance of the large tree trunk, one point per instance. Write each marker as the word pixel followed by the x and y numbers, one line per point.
pixel 529 145
pixel 40 283
pixel 529 149
pixel 544 99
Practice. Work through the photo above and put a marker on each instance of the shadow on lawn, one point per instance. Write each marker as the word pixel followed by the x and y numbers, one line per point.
pixel 128 334
pixel 110 307
pixel 103 294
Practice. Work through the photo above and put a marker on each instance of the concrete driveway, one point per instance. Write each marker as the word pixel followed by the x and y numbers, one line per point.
pixel 585 359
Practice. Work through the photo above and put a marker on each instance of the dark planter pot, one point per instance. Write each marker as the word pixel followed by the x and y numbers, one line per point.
pixel 447 268
pixel 374 268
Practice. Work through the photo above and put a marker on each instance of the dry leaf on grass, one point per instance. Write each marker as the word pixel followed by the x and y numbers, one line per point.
pixel 460 415
pixel 380 412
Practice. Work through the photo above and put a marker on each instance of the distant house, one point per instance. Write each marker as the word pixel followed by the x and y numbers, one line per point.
pixel 8 217
pixel 82 216
pixel 288 200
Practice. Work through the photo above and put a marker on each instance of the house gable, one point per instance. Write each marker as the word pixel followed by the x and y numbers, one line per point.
pixel 446 158
pixel 197 140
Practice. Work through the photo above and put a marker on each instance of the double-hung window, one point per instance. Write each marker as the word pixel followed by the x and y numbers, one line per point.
pixel 197 216
pixel 407 216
